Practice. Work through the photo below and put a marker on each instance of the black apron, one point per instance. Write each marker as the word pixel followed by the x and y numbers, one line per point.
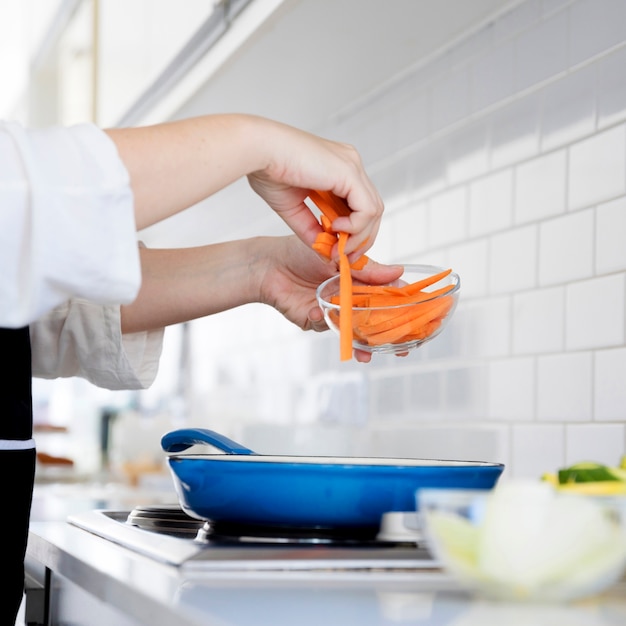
pixel 17 466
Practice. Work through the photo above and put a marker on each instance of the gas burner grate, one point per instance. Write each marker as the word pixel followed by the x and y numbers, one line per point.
pixel 172 520
pixel 228 532
pixel 164 518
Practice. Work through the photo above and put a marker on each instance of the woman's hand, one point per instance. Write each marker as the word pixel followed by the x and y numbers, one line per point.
pixel 299 162
pixel 293 274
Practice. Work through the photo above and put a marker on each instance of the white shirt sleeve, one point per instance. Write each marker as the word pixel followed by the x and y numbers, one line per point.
pixel 67 227
pixel 80 338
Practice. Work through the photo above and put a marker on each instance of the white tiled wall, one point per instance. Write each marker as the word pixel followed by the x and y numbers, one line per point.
pixel 504 158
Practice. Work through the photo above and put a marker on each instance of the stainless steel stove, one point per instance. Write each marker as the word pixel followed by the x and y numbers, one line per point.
pixel 168 535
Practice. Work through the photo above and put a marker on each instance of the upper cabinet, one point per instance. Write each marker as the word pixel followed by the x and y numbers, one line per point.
pixel 127 62
pixel 303 61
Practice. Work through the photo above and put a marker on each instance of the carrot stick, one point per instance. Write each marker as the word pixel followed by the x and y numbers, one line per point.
pixel 326 238
pixel 324 205
pixel 339 206
pixel 387 300
pixel 362 290
pixel 385 303
pixel 425 282
pixel 323 249
pixel 427 330
pixel 390 320
pixel 360 263
pixel 411 326
pixel 345 306
pixel 326 224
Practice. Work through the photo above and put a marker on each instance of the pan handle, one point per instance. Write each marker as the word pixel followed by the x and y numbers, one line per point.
pixel 179 440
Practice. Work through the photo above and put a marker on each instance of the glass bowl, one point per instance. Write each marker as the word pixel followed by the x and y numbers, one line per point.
pixel 399 327
pixel 525 541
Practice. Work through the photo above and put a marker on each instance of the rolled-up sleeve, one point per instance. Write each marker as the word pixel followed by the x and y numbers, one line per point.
pixel 67 227
pixel 80 338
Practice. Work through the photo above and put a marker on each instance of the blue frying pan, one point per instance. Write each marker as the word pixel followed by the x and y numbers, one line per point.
pixel 239 486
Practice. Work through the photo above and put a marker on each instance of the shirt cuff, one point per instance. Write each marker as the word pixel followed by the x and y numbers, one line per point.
pixel 80 338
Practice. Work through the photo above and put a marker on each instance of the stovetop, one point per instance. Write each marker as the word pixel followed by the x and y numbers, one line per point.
pixel 166 534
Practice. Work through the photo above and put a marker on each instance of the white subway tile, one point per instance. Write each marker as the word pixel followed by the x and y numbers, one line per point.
pixel 597 168
pixel 492 76
pixel 410 112
pixel 354 129
pixel 392 181
pixel 469 261
pixel 551 6
pixel 513 260
pixel 515 131
pixel 512 389
pixel 468 155
pixel 611 236
pixel 519 18
pixel 471 46
pixel 541 51
pixel 384 248
pixel 389 396
pixel 569 110
pixel 610 385
pixel 491 203
pixel 378 136
pixel 611 91
pixel 305 439
pixel 483 327
pixel 537 449
pixel 425 390
pixel 465 392
pixel 566 246
pixel 540 187
pixel 427 170
pixel 602 443
pixel 564 387
pixel 595 313
pixel 409 231
pixel 450 99
pixel 426 75
pixel 447 217
pixel 488 443
pixel 538 321
pixel 431 257
pixel 446 346
pixel 595 26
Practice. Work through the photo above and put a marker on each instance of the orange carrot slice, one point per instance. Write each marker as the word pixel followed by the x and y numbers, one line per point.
pixel 412 326
pixel 326 238
pixel 331 208
pixel 425 282
pixel 321 248
pixel 326 225
pixel 345 302
pixel 360 263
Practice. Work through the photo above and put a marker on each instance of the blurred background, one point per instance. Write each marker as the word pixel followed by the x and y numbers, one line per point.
pixel 496 133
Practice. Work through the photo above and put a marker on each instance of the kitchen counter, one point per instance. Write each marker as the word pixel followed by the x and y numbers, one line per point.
pixel 97 582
